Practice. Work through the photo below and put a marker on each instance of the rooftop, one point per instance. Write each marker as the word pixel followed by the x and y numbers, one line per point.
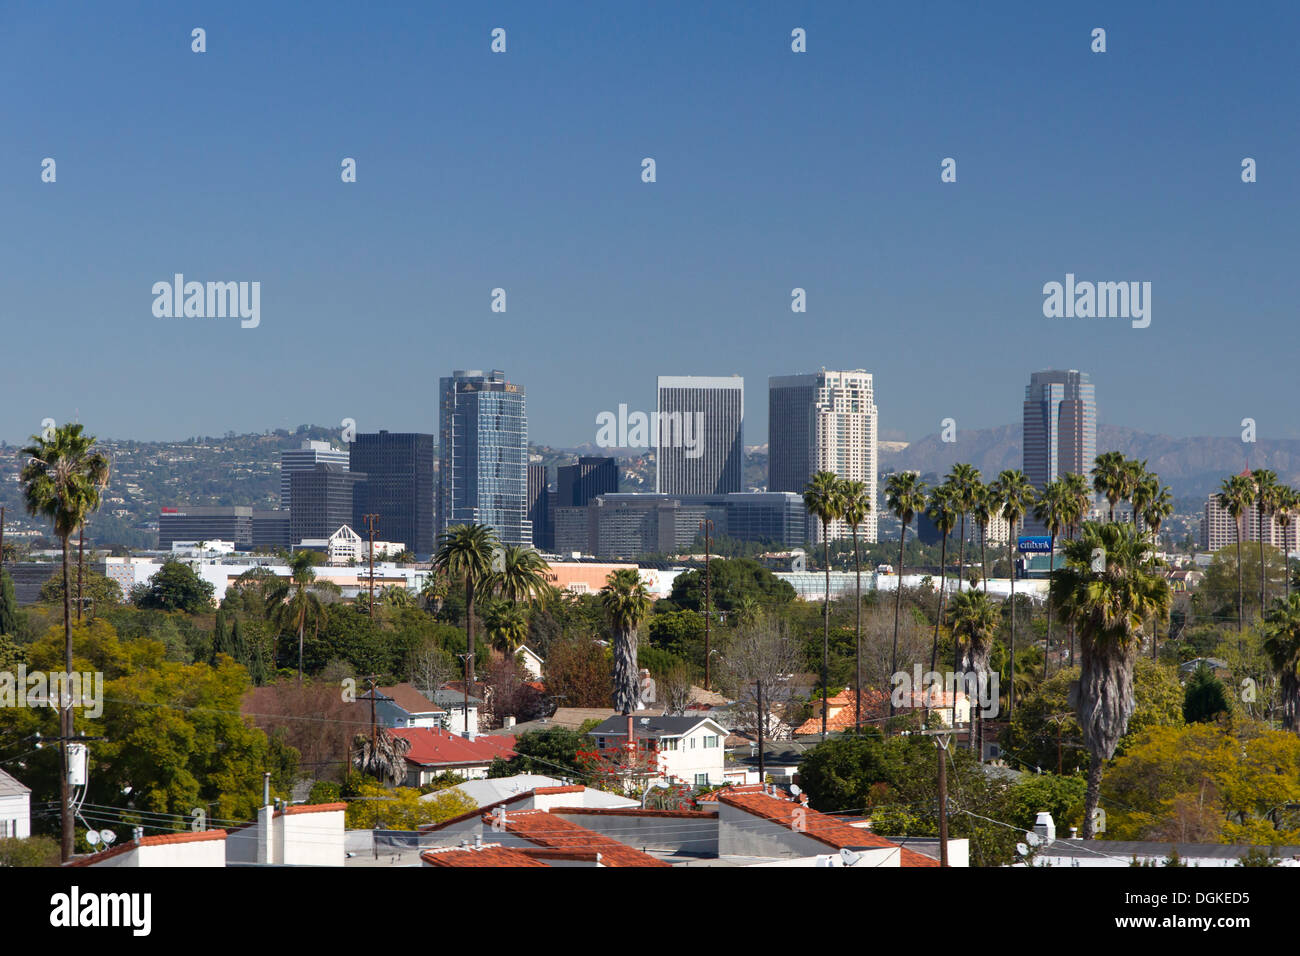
pixel 556 833
pixel 433 746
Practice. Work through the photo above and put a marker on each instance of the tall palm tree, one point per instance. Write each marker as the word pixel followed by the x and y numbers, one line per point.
pixel 1282 645
pixel 382 757
pixel 1144 492
pixel 506 626
pixel 61 480
pixel 1110 478
pixel 294 601
pixel 857 505
pixel 942 510
pixel 1014 496
pixel 974 627
pixel 1236 494
pixel 1079 501
pixel 465 554
pixel 1160 507
pixel 1266 492
pixel 964 479
pixel 905 495
pixel 1288 505
pixel 523 575
pixel 626 602
pixel 824 499
pixel 1110 607
pixel 1053 510
pixel 982 510
pixel 1135 476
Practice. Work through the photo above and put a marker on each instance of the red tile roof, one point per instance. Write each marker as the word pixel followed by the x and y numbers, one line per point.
pixel 493 854
pixel 712 795
pixel 434 747
pixel 313 808
pixel 875 704
pixel 819 826
pixel 163 839
pixel 556 833
pixel 573 788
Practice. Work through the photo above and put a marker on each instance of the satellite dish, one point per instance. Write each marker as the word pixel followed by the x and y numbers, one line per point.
pixel 1022 849
pixel 849 857
pixel 1033 839
pixel 794 790
pixel 108 836
pixel 92 837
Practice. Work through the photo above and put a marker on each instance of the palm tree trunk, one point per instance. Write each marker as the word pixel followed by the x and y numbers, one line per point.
pixel 1241 619
pixel 938 621
pixel 1011 569
pixel 961 558
pixel 984 558
pixel 469 644
pixel 65 788
pixel 857 631
pixel 898 602
pixel 1092 796
pixel 1051 567
pixel 826 621
pixel 81 562
pixel 302 626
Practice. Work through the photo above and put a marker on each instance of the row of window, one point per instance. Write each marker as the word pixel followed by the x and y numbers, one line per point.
pixel 710 742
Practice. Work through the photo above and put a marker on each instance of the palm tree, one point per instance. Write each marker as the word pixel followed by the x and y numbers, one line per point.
pixel 824 499
pixel 905 495
pixel 1160 507
pixel 974 627
pixel 523 575
pixel 1110 607
pixel 1282 645
pixel 1053 510
pixel 1266 492
pixel 1236 494
pixel 382 757
pixel 626 602
pixel 506 626
pixel 1110 478
pixel 1014 495
pixel 1146 490
pixel 964 479
pixel 1288 504
pixel 465 554
pixel 1079 502
pixel 396 596
pixel 982 509
pixel 61 481
pixel 942 511
pixel 293 601
pixel 1135 476
pixel 857 505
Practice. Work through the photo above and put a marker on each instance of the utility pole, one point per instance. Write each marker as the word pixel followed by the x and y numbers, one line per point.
pixel 942 737
pixel 706 526
pixel 762 767
pixel 370 521
pixel 373 680
pixel 468 658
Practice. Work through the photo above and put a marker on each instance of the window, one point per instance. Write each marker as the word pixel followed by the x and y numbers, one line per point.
pixel 701 779
pixel 600 743
pixel 692 743
pixel 711 741
pixel 670 743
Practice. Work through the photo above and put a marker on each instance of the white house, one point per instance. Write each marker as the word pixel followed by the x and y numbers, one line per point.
pixel 403 706
pixel 15 808
pixel 299 835
pixel 531 661
pixel 204 848
pixel 453 702
pixel 689 749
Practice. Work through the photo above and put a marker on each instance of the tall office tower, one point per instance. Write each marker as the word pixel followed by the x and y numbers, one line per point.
pixel 324 500
pixel 398 469
pixel 539 508
pixel 228 523
pixel 1060 429
pixel 591 476
pixel 699 435
pixel 483 477
pixel 305 459
pixel 824 421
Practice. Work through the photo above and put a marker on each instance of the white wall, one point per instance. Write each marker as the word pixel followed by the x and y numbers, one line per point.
pixel 15 810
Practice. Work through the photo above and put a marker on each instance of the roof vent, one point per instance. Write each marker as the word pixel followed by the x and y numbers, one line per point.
pixel 645 721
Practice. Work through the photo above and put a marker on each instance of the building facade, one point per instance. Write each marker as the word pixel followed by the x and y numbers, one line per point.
pixel 539 508
pixel 699 435
pixel 398 486
pixel 1060 429
pixel 324 500
pixel 824 421
pixel 233 523
pixel 483 477
pixel 305 458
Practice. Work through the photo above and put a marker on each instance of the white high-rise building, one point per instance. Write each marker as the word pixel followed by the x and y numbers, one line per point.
pixel 1217 529
pixel 824 421
pixel 306 459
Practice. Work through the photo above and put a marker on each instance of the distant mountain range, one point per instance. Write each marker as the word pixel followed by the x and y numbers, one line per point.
pixel 1192 467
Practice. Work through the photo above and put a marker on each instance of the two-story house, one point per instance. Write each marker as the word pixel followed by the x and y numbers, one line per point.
pixel 689 749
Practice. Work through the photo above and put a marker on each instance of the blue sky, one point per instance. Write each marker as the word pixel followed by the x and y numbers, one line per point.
pixel 522 171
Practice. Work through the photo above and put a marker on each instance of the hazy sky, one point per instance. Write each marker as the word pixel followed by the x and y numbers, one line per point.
pixel 522 170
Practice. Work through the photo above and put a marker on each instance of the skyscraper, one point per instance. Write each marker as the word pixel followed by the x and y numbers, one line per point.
pixel 577 484
pixel 1060 429
pixel 398 469
pixel 305 459
pixel 539 508
pixel 824 421
pixel 324 499
pixel 699 435
pixel 483 434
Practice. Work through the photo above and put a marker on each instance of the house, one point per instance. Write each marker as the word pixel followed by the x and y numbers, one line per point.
pixel 490 792
pixel 689 749
pixel 552 831
pixel 480 854
pixel 299 835
pixel 205 848
pixel 841 712
pixel 403 706
pixel 532 662
pixel 434 751
pixel 15 808
pixel 452 700
pixel 766 825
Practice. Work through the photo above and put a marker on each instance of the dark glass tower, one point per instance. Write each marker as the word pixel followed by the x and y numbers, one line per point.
pixel 398 469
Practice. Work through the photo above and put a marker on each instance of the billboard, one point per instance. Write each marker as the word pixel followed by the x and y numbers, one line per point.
pixel 1034 544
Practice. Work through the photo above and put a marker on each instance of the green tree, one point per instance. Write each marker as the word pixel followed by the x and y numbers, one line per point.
pixel 174 587
pixel 294 601
pixel 1204 698
pixel 523 576
pixel 1235 497
pixel 626 602
pixel 1282 645
pixel 1109 605
pixel 974 628
pixel 1110 478
pixel 1014 495
pixel 1267 491
pixel 102 592
pixel 964 480
pixel 905 495
pixel 824 498
pixel 8 604
pixel 506 626
pixel 1053 510
pixel 551 753
pixel 465 555
pixel 942 510
pixel 857 505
